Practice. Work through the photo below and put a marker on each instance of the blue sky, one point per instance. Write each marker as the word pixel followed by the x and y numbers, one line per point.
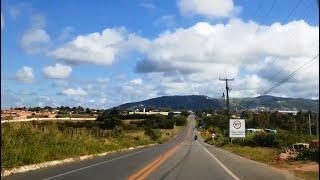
pixel 103 53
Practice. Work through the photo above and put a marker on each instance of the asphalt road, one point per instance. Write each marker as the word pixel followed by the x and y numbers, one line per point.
pixel 181 158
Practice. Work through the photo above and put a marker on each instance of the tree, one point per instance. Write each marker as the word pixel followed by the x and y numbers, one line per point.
pixel 112 122
pixel 80 109
pixel 88 111
pixel 110 118
pixel 170 115
pixel 159 121
pixel 180 120
pixel 185 113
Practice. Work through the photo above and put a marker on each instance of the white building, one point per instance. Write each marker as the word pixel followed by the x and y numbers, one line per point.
pixel 288 112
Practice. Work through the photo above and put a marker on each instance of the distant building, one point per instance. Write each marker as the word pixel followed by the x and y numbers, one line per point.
pixel 150 113
pixel 253 130
pixel 24 114
pixel 176 113
pixel 288 112
pixel 235 116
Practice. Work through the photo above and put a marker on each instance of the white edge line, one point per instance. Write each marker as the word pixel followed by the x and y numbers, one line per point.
pixel 92 165
pixel 220 163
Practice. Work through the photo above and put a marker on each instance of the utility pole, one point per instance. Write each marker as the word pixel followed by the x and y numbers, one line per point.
pixel 310 126
pixel 227 90
pixel 317 121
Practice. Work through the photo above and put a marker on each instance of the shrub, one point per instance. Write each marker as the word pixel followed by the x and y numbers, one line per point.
pixel 208 140
pixel 154 134
pixel 265 139
pixel 159 121
pixel 309 154
pixel 180 120
pixel 247 141
pixel 258 139
pixel 221 141
pixel 111 122
pixel 185 113
pixel 116 132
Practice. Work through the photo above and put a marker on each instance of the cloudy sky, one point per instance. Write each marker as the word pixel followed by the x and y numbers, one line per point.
pixel 104 53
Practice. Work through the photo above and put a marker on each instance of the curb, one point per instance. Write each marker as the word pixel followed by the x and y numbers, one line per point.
pixel 7 172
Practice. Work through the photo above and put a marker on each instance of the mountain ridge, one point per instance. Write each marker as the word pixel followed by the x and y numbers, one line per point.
pixel 196 102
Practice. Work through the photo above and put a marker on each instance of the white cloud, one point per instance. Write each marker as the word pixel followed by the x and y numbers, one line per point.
pixel 168 21
pixel 208 8
pixel 136 81
pixel 38 21
pixel 99 48
pixel 191 60
pixel 74 92
pixel 15 10
pixel 65 33
pixel 103 100
pixel 102 80
pixel 25 75
pixel 35 39
pixel 148 5
pixel 59 71
pixel 131 93
pixel 204 47
pixel 204 52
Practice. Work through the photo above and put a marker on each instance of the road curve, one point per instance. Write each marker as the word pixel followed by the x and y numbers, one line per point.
pixel 181 158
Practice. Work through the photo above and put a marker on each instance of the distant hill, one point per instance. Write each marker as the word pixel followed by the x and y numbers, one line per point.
pixel 276 103
pixel 196 102
pixel 193 102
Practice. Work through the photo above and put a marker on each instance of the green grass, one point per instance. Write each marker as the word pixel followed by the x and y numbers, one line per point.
pixel 261 154
pixel 269 156
pixel 29 143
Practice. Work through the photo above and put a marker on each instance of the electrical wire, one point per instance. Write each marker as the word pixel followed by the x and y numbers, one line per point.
pixel 282 81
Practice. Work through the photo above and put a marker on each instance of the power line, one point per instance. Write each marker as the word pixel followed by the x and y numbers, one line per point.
pixel 282 42
pixel 283 80
pixel 290 75
pixel 266 14
pixel 286 19
pixel 294 9
pixel 257 10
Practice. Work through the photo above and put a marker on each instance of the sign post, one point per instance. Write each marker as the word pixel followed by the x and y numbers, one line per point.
pixel 213 135
pixel 237 128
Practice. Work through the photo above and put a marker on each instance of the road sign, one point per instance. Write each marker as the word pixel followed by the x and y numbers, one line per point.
pixel 213 135
pixel 237 128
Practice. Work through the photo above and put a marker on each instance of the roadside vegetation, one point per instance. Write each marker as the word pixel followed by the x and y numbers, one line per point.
pixel 264 146
pixel 25 143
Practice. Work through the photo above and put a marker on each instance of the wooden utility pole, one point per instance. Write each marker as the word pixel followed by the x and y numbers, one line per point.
pixel 227 91
pixel 310 126
pixel 317 121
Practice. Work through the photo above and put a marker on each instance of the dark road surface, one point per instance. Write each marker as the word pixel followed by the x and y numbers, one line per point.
pixel 181 158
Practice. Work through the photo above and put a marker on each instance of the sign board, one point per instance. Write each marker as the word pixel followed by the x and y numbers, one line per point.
pixel 237 128
pixel 213 135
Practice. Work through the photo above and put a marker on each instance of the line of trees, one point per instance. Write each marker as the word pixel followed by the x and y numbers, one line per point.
pixel 112 118
pixel 275 120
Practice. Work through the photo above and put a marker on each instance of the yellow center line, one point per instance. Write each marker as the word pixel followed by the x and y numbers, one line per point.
pixel 148 169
